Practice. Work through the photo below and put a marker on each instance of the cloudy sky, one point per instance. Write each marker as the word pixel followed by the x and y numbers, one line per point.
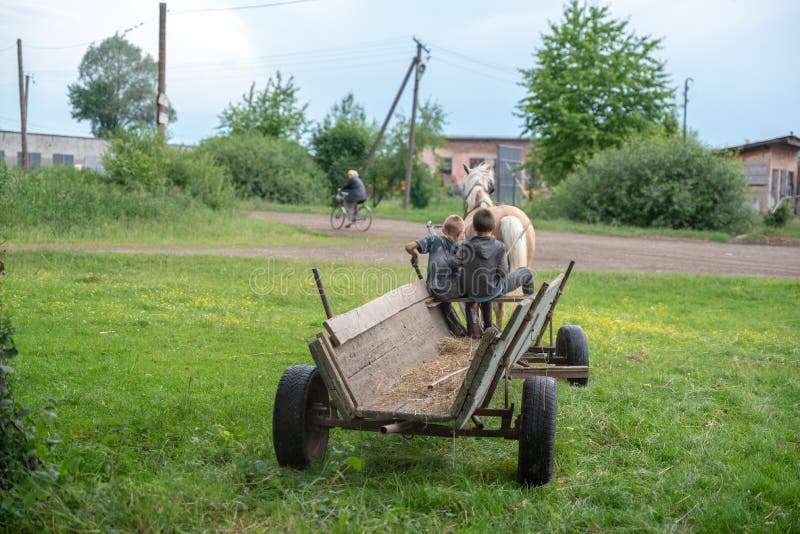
pixel 740 54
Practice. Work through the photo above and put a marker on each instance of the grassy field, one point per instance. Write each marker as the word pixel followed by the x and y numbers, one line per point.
pixel 164 371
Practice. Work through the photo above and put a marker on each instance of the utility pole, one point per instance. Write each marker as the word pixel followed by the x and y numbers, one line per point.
pixel 420 69
pixel 161 98
pixel 23 108
pixel 388 117
pixel 685 103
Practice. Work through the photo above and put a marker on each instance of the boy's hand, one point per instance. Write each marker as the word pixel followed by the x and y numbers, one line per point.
pixel 415 259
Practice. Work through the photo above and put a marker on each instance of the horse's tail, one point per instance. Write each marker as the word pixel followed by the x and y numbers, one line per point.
pixel 513 233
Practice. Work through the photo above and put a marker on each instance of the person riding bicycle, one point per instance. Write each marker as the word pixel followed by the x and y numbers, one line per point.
pixel 354 192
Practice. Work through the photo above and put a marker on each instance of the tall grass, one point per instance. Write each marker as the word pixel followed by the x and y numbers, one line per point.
pixel 165 368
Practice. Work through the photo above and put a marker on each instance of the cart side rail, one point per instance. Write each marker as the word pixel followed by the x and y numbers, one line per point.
pixel 348 325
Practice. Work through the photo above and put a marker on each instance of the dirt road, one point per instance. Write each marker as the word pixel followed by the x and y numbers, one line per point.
pixel 555 249
pixel 383 243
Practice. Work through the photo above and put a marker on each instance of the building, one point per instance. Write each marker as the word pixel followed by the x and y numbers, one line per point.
pixel 772 167
pixel 508 153
pixel 47 149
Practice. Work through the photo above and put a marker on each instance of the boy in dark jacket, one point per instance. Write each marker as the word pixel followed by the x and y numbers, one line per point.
pixel 485 267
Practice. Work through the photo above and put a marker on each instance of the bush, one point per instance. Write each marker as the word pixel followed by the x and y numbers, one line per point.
pixel 658 182
pixel 274 169
pixel 779 217
pixel 140 161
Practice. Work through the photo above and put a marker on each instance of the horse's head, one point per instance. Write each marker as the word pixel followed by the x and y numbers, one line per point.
pixel 479 184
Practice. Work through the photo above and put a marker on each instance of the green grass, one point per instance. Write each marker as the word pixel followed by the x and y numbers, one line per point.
pixel 205 228
pixel 164 370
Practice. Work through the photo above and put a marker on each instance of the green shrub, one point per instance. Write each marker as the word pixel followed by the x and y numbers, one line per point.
pixel 140 161
pixel 658 182
pixel 779 217
pixel 200 176
pixel 274 169
pixel 136 160
pixel 61 198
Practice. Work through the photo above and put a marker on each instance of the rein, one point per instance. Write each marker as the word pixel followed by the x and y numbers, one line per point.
pixel 481 203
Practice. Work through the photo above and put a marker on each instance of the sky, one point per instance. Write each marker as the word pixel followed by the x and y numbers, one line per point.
pixel 745 79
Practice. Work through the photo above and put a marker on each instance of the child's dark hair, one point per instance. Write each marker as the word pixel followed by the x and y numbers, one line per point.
pixel 483 221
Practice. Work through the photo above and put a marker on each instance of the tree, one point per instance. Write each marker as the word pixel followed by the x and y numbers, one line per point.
pixel 343 140
pixel 116 88
pixel 273 112
pixel 595 83
pixel 388 171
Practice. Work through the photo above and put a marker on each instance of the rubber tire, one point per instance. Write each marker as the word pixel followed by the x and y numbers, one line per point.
pixel 537 432
pixel 364 218
pixel 297 442
pixel 338 217
pixel 571 342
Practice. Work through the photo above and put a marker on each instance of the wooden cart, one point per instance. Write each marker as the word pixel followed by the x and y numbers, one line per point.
pixel 363 357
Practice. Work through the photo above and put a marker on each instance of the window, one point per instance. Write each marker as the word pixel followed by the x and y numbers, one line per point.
pixel 63 159
pixel 474 162
pixel 773 187
pixel 34 160
pixel 446 166
pixel 791 184
pixel 786 184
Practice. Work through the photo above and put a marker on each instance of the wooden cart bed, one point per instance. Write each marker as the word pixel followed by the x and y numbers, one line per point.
pixel 369 354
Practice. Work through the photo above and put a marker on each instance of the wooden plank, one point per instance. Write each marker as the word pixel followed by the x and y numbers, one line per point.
pixel 556 371
pixel 350 324
pixel 373 362
pixel 478 362
pixel 536 322
pixel 431 302
pixel 336 386
pixel 477 387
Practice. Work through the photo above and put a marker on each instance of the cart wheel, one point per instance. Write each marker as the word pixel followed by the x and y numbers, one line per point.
pixel 571 342
pixel 537 433
pixel 297 442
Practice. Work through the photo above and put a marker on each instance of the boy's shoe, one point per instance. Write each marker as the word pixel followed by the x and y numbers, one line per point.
pixel 348 225
pixel 527 291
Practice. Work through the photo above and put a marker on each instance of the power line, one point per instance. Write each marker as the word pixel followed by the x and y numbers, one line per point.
pixel 239 8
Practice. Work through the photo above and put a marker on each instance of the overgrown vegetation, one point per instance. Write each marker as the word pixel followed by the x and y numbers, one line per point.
pixel 145 180
pixel 270 168
pixel 342 141
pixel 388 172
pixel 165 371
pixel 658 181
pixel 779 217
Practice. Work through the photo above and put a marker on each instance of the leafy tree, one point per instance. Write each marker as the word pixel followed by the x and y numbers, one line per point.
pixel 595 83
pixel 388 173
pixel 343 140
pixel 273 112
pixel 661 182
pixel 116 88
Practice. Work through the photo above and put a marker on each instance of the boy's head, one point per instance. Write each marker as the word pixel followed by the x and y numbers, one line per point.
pixel 453 227
pixel 483 221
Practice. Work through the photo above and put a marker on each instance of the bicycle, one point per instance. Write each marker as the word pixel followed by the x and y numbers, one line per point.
pixel 362 218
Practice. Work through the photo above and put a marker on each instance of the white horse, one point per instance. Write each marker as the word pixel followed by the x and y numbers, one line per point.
pixel 513 227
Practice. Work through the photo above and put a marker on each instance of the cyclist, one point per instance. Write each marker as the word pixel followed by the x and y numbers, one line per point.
pixel 354 192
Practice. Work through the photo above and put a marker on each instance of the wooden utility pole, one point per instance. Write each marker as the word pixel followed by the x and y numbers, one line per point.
pixel 161 107
pixel 420 69
pixel 378 139
pixel 685 103
pixel 23 108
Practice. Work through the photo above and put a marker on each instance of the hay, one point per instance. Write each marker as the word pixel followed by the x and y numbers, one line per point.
pixel 418 389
